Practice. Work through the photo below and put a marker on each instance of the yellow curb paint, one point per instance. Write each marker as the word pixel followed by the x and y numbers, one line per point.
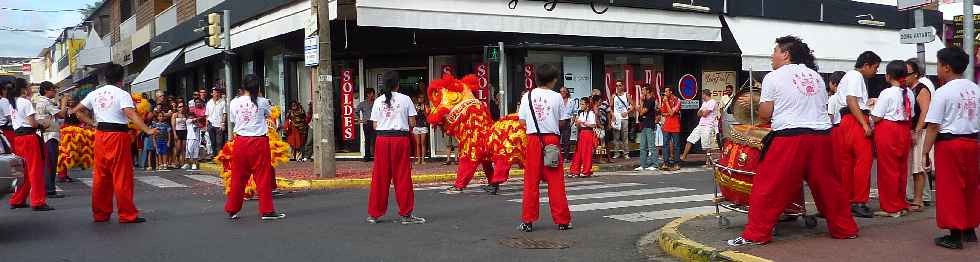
pixel 677 245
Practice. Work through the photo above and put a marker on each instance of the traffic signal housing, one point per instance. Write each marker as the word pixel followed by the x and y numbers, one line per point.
pixel 214 30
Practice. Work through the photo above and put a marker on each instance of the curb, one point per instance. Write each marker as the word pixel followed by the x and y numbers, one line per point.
pixel 677 245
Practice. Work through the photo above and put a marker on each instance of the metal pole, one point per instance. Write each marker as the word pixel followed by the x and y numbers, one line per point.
pixel 503 80
pixel 969 35
pixel 920 21
pixel 324 158
pixel 226 17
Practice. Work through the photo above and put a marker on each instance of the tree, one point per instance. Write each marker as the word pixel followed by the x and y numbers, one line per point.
pixel 91 8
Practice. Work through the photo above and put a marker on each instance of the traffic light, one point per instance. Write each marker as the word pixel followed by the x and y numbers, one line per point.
pixel 214 30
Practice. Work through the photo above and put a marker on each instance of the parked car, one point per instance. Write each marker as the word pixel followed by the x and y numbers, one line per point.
pixel 11 168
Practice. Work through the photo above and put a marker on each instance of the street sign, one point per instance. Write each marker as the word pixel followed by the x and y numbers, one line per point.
pixel 913 4
pixel 311 50
pixel 918 35
pixel 958 25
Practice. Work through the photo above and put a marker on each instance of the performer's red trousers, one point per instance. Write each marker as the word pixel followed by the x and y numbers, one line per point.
pixel 534 173
pixel 113 175
pixel 855 160
pixel 839 148
pixel 788 162
pixel 9 134
pixel 391 164
pixel 467 169
pixel 582 160
pixel 28 147
pixel 893 140
pixel 251 157
pixel 957 184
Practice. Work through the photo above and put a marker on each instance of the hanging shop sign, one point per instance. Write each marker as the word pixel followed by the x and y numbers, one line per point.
pixel 448 70
pixel 528 76
pixel 719 83
pixel 347 103
pixel 483 90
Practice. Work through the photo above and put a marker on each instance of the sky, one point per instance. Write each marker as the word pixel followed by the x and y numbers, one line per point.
pixel 29 44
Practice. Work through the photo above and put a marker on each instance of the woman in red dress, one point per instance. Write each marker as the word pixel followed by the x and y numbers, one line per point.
pixel 296 129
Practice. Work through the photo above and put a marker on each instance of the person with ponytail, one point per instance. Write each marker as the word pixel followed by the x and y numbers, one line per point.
pixel 892 118
pixel 27 145
pixel 393 115
pixel 251 152
pixel 794 100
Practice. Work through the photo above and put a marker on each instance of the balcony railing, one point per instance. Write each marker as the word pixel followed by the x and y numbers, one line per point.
pixel 166 20
pixel 127 28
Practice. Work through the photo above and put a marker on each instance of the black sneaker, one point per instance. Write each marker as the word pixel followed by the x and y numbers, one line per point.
pixel 492 189
pixel 452 190
pixel 951 241
pixel 411 220
pixel 373 220
pixel 525 227
pixel 16 206
pixel 564 226
pixel 273 216
pixel 55 195
pixel 135 221
pixel 970 235
pixel 42 208
pixel 278 194
pixel 861 211
pixel 233 216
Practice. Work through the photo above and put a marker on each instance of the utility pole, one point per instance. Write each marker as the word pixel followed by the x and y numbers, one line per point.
pixel 226 17
pixel 324 160
pixel 969 35
pixel 920 48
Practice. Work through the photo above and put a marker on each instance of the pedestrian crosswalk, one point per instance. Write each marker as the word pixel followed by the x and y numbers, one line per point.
pixel 165 181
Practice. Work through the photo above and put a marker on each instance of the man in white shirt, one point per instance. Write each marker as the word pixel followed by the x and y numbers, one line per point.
pixel 892 117
pixel 568 107
pixel 216 112
pixel 793 100
pixel 539 111
pixel 622 107
pixel 49 115
pixel 112 174
pixel 707 125
pixel 5 111
pixel 953 126
pixel 856 128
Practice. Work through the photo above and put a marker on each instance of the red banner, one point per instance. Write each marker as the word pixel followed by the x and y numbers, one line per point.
pixel 483 91
pixel 448 70
pixel 347 103
pixel 528 76
pixel 610 82
pixel 629 82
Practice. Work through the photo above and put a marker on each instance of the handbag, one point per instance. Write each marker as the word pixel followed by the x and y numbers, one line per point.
pixel 551 153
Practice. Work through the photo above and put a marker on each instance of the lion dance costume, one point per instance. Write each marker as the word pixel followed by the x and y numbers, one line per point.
pixel 494 145
pixel 279 150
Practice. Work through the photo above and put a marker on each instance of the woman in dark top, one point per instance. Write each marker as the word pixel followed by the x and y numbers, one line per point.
pixel 922 89
pixel 421 129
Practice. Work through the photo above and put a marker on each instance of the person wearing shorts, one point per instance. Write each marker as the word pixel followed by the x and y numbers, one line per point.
pixel 192 143
pixel 421 130
pixel 707 125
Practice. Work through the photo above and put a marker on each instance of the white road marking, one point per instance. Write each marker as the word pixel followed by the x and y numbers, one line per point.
pixel 87 181
pixel 208 179
pixel 158 181
pixel 638 192
pixel 663 214
pixel 505 186
pixel 588 187
pixel 641 202
pixel 58 189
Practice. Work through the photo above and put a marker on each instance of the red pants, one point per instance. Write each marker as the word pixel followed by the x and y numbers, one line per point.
pixel 467 168
pixel 251 157
pixel 855 160
pixel 9 134
pixel 582 160
pixel 534 172
pixel 113 175
pixel 28 147
pixel 957 184
pixel 838 145
pixel 391 164
pixel 788 162
pixel 893 140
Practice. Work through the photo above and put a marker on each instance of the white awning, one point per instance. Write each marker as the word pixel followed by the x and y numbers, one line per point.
pixel 95 51
pixel 529 17
pixel 836 47
pixel 149 79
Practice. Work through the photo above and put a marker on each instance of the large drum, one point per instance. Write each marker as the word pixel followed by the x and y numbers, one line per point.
pixel 738 161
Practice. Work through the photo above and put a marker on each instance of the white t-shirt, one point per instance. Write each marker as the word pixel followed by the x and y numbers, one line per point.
pixel 393 117
pixel 107 104
pixel 191 129
pixel 215 110
pixel 890 105
pixel 928 83
pixel 46 109
pixel 547 109
pixel 249 118
pixel 621 106
pixel 955 107
pixel 587 118
pixel 853 84
pixel 799 98
pixel 568 109
pixel 834 105
pixel 24 110
pixel 711 119
pixel 5 111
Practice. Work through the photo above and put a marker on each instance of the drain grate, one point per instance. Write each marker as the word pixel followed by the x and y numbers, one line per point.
pixel 524 243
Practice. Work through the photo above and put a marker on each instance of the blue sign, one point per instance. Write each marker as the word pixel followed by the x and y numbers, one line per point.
pixel 687 87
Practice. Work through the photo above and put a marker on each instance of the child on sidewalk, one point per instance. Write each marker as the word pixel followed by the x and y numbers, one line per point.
pixel 193 144
pixel 162 141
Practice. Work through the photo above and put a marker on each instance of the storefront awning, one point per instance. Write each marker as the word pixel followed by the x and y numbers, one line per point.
pixel 148 79
pixel 836 47
pixel 531 18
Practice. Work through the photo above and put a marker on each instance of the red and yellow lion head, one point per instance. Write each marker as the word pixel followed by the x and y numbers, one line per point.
pixel 448 93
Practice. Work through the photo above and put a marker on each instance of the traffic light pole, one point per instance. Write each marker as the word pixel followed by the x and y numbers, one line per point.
pixel 324 160
pixel 226 17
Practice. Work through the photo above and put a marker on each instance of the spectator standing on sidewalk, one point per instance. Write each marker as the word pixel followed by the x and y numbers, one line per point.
pixel 603 123
pixel 192 142
pixel 565 124
pixel 891 117
pixel 793 98
pixel 421 130
pixel 649 155
pixel 707 125
pixel 179 124
pixel 363 113
pixel 585 122
pixel 856 128
pixel 216 112
pixel 50 114
pixel 670 108
pixel 922 88
pixel 296 130
pixel 954 124
pixel 622 107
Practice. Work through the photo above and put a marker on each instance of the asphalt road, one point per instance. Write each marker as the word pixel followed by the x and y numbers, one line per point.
pixel 187 223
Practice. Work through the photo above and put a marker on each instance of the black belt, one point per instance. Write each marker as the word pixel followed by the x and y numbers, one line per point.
pixel 835 125
pixel 787 132
pixel 585 129
pixel 542 134
pixel 112 127
pixel 391 133
pixel 948 136
pixel 7 127
pixel 847 111
pixel 26 131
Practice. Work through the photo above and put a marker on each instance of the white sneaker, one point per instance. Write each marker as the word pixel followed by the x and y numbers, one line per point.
pixel 739 241
pixel 652 168
pixel 627 157
pixel 193 166
pixel 639 169
pixel 185 166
